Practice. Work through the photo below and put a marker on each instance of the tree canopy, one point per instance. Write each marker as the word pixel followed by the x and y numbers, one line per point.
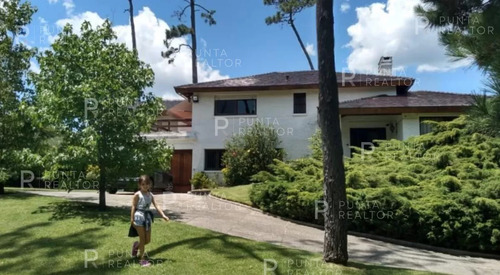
pixel 17 134
pixel 91 90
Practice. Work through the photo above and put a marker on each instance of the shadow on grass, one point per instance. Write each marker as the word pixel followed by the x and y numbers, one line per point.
pixel 15 195
pixel 87 212
pixel 23 239
pixel 47 247
pixel 234 248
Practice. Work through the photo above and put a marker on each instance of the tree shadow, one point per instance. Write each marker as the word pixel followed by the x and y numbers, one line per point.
pixel 87 212
pixel 16 195
pixel 52 247
pixel 233 248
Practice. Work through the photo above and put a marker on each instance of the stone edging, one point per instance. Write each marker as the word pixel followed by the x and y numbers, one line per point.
pixel 450 251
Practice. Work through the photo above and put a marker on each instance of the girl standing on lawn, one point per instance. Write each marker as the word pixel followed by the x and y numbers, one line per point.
pixel 141 217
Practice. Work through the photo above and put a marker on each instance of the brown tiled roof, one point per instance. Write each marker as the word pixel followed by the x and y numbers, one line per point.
pixel 419 101
pixel 183 110
pixel 290 80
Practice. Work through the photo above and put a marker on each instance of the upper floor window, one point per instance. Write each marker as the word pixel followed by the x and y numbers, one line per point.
pixel 427 128
pixel 299 103
pixel 235 107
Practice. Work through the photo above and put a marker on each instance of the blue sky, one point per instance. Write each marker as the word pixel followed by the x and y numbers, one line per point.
pixel 241 44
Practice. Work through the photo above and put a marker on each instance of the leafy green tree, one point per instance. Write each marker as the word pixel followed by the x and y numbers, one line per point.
pixel 249 153
pixel 182 30
pixel 335 244
pixel 16 130
pixel 91 89
pixel 286 14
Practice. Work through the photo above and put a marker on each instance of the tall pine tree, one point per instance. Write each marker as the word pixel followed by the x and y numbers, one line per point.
pixel 183 30
pixel 335 244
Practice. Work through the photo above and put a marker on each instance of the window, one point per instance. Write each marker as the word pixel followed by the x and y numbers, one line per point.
pixel 299 103
pixel 213 159
pixel 427 128
pixel 235 107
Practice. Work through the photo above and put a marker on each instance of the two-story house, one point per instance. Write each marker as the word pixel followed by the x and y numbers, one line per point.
pixel 371 107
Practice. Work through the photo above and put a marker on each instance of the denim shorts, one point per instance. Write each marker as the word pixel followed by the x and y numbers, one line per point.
pixel 141 218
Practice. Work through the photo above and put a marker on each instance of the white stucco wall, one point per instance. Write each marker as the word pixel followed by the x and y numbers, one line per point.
pixel 411 122
pixel 274 108
pixel 411 125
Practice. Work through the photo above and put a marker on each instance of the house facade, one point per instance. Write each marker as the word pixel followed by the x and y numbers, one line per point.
pixel 371 107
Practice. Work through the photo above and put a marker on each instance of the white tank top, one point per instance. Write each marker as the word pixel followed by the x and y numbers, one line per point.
pixel 144 201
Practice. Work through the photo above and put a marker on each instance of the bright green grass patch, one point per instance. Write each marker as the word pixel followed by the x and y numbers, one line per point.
pixel 45 235
pixel 239 193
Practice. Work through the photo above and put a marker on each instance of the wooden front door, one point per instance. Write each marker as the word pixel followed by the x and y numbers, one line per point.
pixel 181 170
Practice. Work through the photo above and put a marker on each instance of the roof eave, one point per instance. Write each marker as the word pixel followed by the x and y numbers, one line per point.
pixel 187 90
pixel 400 110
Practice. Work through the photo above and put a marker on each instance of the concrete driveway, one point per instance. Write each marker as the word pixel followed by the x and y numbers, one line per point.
pixel 236 220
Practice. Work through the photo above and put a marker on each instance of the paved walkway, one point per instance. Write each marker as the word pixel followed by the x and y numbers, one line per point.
pixel 232 219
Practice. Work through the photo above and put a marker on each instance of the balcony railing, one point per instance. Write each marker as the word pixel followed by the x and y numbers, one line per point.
pixel 171 124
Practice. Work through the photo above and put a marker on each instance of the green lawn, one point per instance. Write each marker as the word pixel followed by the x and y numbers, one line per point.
pixel 47 189
pixel 41 235
pixel 236 193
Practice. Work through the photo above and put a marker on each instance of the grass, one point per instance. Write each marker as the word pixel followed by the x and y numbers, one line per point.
pixel 43 235
pixel 47 189
pixel 236 193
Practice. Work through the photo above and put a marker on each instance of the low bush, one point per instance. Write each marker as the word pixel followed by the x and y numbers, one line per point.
pixel 250 152
pixel 442 188
pixel 200 180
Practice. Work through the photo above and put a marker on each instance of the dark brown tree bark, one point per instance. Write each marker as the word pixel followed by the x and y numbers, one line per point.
pixel 132 24
pixel 194 58
pixel 2 190
pixel 335 244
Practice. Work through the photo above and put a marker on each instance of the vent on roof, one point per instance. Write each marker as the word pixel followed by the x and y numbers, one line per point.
pixel 385 65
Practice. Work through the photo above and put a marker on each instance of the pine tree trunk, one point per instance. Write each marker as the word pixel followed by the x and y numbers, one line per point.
pixel 132 24
pixel 194 59
pixel 335 244
pixel 302 45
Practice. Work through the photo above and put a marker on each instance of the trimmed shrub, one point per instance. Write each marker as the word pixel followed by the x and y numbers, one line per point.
pixel 249 153
pixel 200 180
pixel 442 188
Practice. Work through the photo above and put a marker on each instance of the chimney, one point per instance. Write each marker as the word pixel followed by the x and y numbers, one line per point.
pixel 385 65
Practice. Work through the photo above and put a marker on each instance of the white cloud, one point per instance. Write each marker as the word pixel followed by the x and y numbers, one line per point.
pixel 69 5
pixel 150 32
pixel 310 49
pixel 393 29
pixel 344 7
